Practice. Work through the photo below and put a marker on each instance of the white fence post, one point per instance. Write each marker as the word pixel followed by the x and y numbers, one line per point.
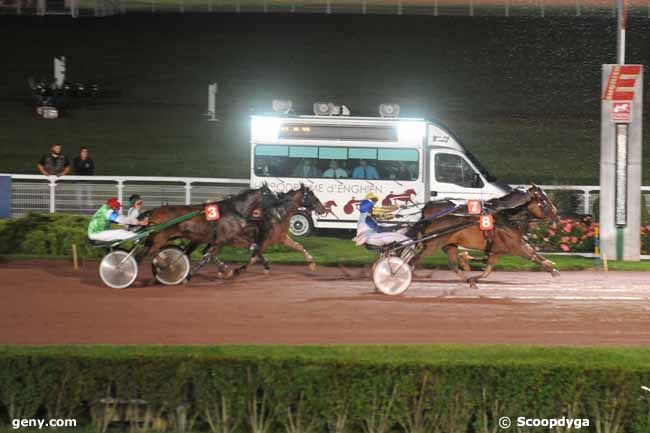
pixel 120 190
pixel 587 202
pixel 52 194
pixel 188 193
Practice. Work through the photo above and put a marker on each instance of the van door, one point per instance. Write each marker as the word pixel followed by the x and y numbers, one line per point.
pixel 454 176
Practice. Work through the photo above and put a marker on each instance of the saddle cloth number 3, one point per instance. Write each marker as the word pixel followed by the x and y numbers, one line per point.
pixel 212 212
pixel 486 222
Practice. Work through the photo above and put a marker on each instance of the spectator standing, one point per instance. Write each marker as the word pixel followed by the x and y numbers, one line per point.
pixel 54 163
pixel 83 165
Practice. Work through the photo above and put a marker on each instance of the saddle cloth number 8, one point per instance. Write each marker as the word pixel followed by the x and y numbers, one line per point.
pixel 212 212
pixel 487 222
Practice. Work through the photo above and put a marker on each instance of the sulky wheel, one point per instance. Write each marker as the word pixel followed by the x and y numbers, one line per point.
pixel 171 266
pixel 118 269
pixel 392 275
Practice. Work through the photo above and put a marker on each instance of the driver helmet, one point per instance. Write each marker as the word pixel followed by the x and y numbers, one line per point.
pixel 114 203
pixel 372 196
pixel 134 199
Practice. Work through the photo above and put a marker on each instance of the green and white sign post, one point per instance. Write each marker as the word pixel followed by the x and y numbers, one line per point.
pixel 620 162
pixel 620 153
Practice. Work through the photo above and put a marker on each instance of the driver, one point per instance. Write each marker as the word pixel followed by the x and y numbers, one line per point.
pixel 108 213
pixel 368 229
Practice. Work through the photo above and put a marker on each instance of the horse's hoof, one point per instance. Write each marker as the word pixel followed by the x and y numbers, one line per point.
pixel 267 271
pixel 312 267
pixel 472 285
pixel 555 273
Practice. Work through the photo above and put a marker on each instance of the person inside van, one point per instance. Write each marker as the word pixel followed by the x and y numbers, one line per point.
pixel 306 168
pixel 335 171
pixel 365 171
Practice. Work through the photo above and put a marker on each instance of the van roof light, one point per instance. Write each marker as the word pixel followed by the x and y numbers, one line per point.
pixel 282 106
pixel 323 108
pixel 389 110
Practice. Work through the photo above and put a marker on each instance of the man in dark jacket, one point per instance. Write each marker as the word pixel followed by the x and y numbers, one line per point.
pixel 54 163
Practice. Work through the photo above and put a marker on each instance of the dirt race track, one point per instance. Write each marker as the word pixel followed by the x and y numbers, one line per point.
pixel 47 302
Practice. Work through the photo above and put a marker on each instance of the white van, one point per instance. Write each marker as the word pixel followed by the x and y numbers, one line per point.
pixel 342 158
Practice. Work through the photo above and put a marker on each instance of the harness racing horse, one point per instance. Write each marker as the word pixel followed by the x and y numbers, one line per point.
pixel 273 229
pixel 512 215
pixel 234 213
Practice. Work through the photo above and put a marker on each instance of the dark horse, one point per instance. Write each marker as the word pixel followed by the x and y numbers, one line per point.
pixel 512 215
pixel 273 229
pixel 235 213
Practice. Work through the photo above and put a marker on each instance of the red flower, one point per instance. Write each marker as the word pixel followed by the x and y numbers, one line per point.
pixel 574 240
pixel 564 247
pixel 567 227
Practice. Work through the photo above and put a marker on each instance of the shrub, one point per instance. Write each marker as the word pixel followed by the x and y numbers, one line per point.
pixel 46 235
pixel 305 390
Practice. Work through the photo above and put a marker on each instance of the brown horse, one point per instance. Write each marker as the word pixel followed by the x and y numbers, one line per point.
pixel 274 228
pixel 234 212
pixel 512 215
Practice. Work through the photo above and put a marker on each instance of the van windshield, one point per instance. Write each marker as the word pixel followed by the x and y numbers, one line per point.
pixel 484 171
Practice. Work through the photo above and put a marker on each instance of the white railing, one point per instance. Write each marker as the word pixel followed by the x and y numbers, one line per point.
pixel 506 8
pixel 84 194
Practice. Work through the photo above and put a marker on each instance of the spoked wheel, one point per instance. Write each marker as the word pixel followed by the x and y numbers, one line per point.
pixel 171 266
pixel 118 269
pixel 300 225
pixel 392 275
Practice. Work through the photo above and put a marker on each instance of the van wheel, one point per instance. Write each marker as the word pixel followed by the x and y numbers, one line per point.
pixel 300 225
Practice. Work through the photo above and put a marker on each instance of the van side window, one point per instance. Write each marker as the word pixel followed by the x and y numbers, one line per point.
pixel 450 168
pixel 340 162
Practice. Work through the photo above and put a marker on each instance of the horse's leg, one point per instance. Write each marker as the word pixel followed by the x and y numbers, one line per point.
pixel 492 260
pixel 255 253
pixel 265 263
pixel 528 252
pixel 453 260
pixel 287 241
pixel 152 246
pixel 189 249
pixel 204 260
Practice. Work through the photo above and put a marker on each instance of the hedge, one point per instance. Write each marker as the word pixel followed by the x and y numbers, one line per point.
pixel 329 389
